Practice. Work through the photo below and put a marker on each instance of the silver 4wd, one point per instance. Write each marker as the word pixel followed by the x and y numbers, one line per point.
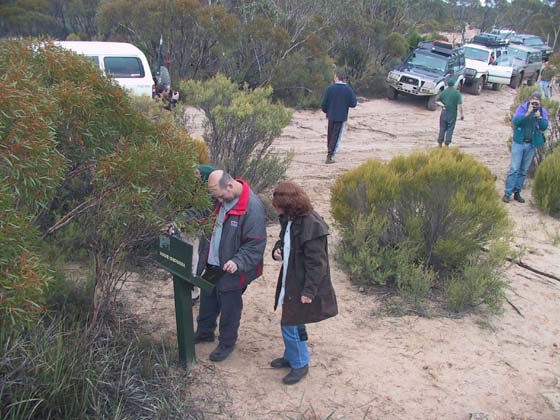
pixel 526 62
pixel 425 71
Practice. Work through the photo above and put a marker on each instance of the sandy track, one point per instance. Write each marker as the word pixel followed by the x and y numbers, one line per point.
pixel 365 366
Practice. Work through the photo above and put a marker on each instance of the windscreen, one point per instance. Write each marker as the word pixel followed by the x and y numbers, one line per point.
pixel 476 54
pixel 534 42
pixel 514 52
pixel 427 61
pixel 124 67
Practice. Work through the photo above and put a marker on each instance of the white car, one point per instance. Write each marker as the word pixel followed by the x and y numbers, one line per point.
pixel 121 61
pixel 482 67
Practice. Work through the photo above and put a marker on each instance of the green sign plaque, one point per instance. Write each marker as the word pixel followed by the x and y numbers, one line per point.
pixel 175 255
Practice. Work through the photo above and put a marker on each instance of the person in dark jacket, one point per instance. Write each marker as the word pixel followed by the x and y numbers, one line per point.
pixel 336 100
pixel 529 122
pixel 232 257
pixel 304 288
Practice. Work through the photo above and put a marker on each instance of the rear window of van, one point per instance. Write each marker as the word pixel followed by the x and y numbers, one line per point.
pixel 124 67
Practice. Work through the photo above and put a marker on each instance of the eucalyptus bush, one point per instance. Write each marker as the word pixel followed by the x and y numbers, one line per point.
pixel 87 173
pixel 240 126
pixel 419 223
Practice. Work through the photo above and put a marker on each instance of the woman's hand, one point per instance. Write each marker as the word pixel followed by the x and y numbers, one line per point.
pixel 305 299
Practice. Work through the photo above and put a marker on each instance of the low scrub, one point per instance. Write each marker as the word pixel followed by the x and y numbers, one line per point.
pixel 59 369
pixel 546 190
pixel 419 223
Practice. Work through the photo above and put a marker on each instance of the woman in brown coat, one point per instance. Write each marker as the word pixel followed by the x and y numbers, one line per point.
pixel 304 288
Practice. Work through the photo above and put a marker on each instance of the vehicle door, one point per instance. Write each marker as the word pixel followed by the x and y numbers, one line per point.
pixel 534 62
pixel 499 71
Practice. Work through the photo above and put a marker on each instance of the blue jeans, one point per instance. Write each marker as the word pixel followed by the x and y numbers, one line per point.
pixel 295 345
pixel 545 88
pixel 521 158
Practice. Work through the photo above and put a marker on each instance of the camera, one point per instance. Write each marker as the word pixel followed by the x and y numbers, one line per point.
pixel 535 106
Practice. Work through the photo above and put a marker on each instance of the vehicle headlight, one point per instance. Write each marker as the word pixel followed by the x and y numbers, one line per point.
pixel 429 85
pixel 393 76
pixel 470 72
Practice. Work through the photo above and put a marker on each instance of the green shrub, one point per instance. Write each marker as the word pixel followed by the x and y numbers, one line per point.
pixel 83 171
pixel 372 84
pixel 57 370
pixel 241 125
pixel 546 189
pixel 24 273
pixel 419 222
pixel 299 80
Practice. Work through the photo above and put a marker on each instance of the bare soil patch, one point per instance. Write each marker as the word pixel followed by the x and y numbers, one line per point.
pixel 368 366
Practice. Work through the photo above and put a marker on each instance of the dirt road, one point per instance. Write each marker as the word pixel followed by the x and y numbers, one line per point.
pixel 365 366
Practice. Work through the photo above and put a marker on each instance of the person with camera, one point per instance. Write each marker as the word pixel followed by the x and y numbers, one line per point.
pixel 450 100
pixel 529 122
pixel 231 258
pixel 304 290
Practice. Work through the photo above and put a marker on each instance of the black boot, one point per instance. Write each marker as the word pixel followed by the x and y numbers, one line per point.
pixel 517 197
pixel 221 352
pixel 295 375
pixel 280 363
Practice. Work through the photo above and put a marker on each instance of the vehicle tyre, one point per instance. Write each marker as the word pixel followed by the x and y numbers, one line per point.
pixel 476 87
pixel 392 92
pixel 496 86
pixel 432 102
pixel 515 81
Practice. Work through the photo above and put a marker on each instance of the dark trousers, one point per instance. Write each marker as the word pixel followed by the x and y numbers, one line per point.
pixel 229 306
pixel 334 135
pixel 446 126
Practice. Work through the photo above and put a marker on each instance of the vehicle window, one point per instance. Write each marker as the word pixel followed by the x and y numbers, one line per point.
pixel 94 59
pixel 532 42
pixel 462 61
pixel 521 55
pixel 124 67
pixel 427 61
pixel 476 54
pixel 535 58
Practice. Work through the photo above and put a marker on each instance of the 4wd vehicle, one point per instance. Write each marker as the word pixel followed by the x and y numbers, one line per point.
pixel 425 71
pixel 481 69
pixel 534 42
pixel 526 62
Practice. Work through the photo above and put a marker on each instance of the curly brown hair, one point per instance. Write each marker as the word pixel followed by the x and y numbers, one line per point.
pixel 291 199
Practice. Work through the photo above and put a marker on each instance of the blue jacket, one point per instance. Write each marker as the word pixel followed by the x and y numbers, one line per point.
pixel 337 99
pixel 529 127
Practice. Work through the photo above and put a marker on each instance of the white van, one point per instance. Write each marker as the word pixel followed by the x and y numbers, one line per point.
pixel 121 61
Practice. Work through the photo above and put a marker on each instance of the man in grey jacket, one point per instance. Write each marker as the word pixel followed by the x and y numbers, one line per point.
pixel 234 256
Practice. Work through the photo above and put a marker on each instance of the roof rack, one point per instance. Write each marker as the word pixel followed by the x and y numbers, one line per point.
pixel 489 40
pixel 439 46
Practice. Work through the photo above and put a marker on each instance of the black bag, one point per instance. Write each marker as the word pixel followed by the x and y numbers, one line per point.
pixel 212 274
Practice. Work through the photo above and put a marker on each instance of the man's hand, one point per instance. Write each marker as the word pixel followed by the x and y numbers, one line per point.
pixel 277 254
pixel 230 267
pixel 305 299
pixel 538 114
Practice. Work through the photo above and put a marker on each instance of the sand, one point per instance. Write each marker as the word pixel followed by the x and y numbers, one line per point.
pixel 366 365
